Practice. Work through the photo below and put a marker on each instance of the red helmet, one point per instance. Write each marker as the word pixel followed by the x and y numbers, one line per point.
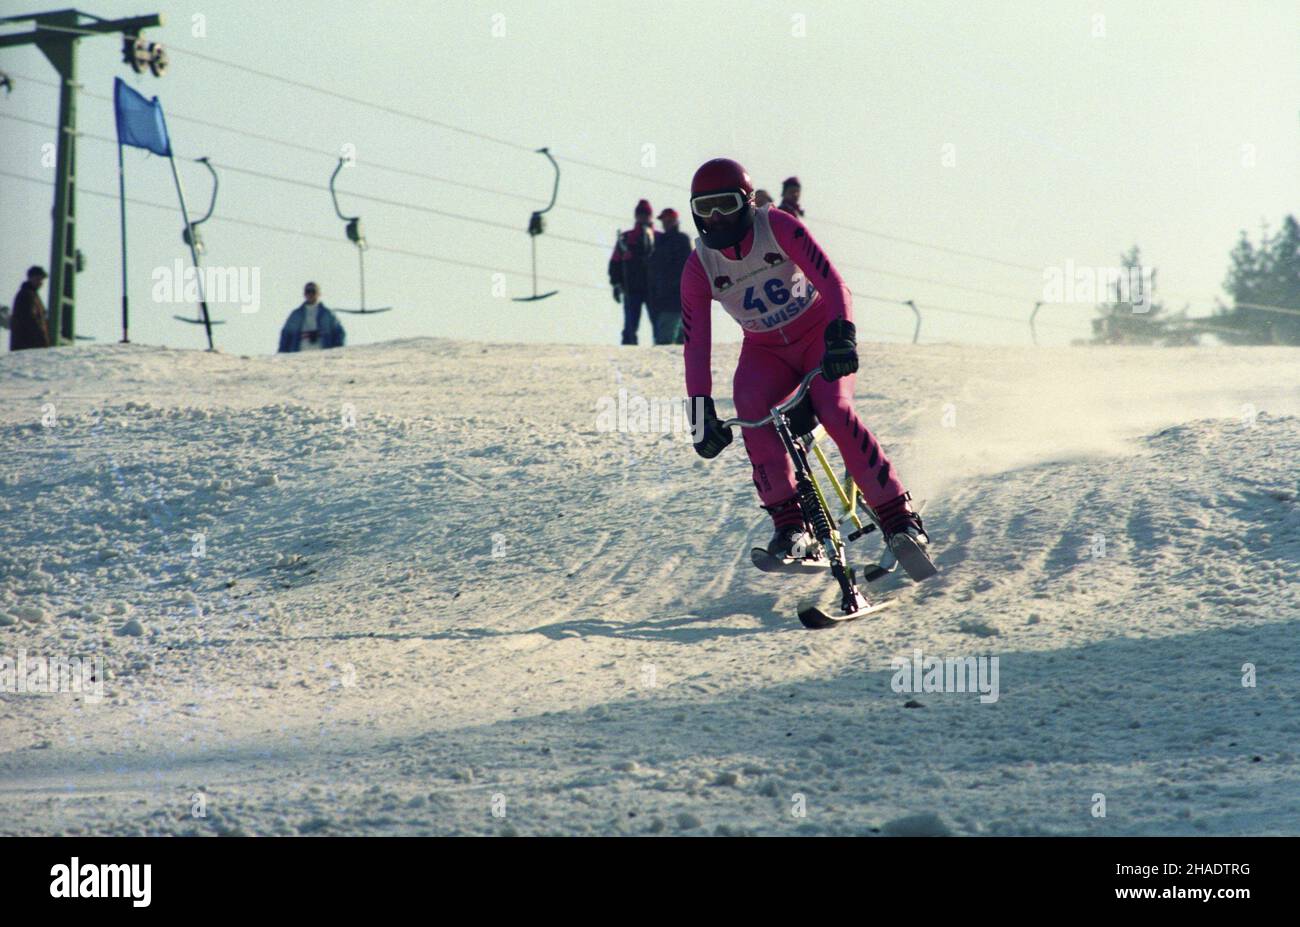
pixel 719 175
pixel 725 223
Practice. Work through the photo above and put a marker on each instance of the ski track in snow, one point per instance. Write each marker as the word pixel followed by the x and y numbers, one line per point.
pixel 473 594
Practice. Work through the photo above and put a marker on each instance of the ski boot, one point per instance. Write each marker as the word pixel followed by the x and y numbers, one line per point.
pixel 793 543
pixel 792 548
pixel 905 536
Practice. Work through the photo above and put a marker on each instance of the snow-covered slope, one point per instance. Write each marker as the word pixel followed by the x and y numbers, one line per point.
pixel 418 588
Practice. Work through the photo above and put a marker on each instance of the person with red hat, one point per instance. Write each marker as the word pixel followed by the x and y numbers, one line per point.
pixel 629 270
pixel 772 277
pixel 672 248
pixel 790 190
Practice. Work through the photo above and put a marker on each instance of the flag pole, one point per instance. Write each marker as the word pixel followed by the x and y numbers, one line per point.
pixel 121 199
pixel 194 253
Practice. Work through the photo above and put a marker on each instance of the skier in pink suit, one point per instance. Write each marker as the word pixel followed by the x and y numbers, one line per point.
pixel 771 276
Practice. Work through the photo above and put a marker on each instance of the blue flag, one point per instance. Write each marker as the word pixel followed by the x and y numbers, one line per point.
pixel 140 122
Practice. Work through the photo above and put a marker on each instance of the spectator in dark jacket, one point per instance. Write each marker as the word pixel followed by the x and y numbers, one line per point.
pixel 311 327
pixel 790 191
pixel 27 325
pixel 629 267
pixel 672 248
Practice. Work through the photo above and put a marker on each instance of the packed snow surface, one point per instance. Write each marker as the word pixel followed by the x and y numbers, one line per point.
pixel 423 588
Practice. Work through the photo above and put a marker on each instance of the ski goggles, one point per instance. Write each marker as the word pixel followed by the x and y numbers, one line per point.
pixel 727 204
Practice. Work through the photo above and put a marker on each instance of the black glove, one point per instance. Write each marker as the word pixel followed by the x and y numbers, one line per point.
pixel 711 436
pixel 618 294
pixel 841 357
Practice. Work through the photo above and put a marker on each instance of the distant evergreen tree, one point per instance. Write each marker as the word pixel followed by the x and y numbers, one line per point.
pixel 1267 274
pixel 1120 322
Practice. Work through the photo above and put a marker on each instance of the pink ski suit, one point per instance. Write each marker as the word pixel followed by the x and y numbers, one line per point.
pixel 785 310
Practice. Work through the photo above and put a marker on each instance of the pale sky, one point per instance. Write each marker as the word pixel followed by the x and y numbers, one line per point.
pixel 1033 132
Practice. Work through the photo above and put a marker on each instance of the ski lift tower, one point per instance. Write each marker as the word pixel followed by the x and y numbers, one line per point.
pixel 56 34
